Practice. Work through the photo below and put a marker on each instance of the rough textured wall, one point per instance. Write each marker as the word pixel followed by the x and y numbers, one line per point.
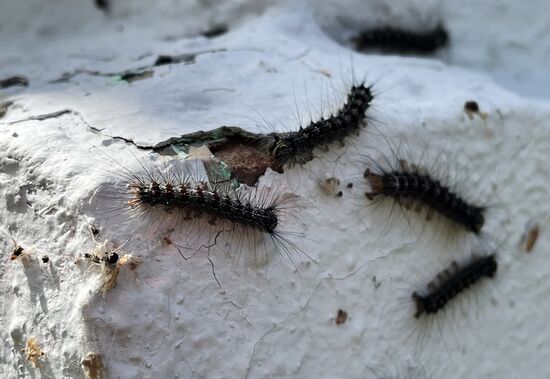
pixel 97 90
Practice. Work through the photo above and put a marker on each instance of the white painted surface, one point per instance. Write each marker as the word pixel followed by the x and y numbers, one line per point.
pixel 168 318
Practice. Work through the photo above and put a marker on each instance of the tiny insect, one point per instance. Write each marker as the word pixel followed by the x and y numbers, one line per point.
pixel 95 230
pixel 33 351
pixel 18 251
pixel 107 257
pixel 110 258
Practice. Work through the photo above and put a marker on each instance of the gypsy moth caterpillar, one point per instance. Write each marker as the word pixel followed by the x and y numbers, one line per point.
pixel 414 186
pixel 391 39
pixel 441 295
pixel 197 208
pixel 434 185
pixel 297 147
pixel 451 282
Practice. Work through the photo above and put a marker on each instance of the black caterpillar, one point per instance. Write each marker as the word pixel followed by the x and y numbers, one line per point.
pixel 195 204
pixel 393 40
pixel 297 147
pixel 200 200
pixel 17 80
pixel 412 185
pixel 451 282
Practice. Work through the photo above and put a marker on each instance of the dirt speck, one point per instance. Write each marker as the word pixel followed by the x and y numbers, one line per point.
pixel 341 317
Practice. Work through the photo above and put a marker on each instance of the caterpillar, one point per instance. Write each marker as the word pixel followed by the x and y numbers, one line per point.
pixel 200 199
pixel 296 148
pixel 410 185
pixel 102 4
pixel 449 283
pixel 200 209
pixel 17 80
pixel 394 40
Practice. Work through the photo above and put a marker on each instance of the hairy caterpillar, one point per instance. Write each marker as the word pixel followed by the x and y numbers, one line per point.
pixel 201 200
pixel 296 148
pixel 429 312
pixel 194 204
pixel 17 80
pixel 412 186
pixel 452 281
pixel 394 40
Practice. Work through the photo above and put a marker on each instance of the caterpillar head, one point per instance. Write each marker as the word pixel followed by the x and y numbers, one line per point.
pixel 279 148
pixel 282 149
pixel 492 266
pixel 376 183
pixel 478 219
pixel 419 303
pixel 441 37
pixel 271 220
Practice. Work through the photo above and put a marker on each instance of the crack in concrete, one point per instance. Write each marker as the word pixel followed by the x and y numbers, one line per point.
pixel 254 348
pixel 129 76
pixel 68 111
pixel 42 117
pixel 214 138
pixel 137 73
pixel 242 314
pixel 240 149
